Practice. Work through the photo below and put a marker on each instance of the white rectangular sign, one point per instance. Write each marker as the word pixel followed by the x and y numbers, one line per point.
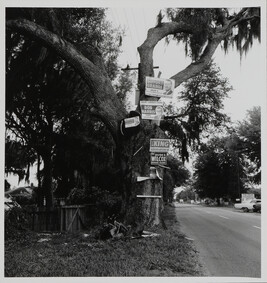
pixel 159 145
pixel 159 87
pixel 158 158
pixel 151 110
pixel 132 122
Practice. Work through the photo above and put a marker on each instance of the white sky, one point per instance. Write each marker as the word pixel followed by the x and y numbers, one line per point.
pixel 246 76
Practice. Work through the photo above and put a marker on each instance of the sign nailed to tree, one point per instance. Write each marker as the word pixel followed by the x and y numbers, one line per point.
pixel 158 158
pixel 132 122
pixel 159 87
pixel 159 145
pixel 151 110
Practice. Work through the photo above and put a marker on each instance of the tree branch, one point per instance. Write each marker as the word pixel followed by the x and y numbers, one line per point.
pixel 100 85
pixel 13 125
pixel 179 115
pixel 154 35
pixel 196 67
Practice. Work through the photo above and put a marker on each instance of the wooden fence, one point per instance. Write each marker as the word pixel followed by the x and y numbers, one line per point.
pixel 69 218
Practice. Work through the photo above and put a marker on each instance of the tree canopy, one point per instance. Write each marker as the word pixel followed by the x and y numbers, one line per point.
pixel 231 164
pixel 218 171
pixel 47 107
pixel 200 106
pixel 249 134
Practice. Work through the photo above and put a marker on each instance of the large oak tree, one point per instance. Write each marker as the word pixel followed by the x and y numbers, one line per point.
pixel 202 30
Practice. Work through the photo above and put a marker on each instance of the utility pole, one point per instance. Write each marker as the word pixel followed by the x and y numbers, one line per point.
pixel 128 68
pixel 238 176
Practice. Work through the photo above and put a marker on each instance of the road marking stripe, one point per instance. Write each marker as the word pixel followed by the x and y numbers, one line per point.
pixel 223 217
pixel 257 227
pixel 190 239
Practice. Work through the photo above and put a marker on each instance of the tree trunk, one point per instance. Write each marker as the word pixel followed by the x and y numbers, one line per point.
pixel 145 211
pixel 47 180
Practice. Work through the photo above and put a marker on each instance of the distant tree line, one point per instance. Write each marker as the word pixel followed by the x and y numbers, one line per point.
pixel 230 165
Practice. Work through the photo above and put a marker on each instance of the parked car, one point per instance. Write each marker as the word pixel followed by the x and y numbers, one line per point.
pixel 248 205
pixel 257 207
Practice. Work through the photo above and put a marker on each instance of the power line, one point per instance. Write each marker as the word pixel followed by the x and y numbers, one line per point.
pixel 114 17
pixel 135 27
pixel 130 31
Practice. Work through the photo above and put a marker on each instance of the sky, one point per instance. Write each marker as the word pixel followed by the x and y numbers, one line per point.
pixel 246 75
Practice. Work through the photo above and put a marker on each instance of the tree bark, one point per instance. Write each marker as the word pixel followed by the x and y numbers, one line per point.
pixel 140 212
pixel 47 180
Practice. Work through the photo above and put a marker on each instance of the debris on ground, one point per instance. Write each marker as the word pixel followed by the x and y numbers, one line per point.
pixel 117 230
pixel 147 234
pixel 43 240
pixel 44 237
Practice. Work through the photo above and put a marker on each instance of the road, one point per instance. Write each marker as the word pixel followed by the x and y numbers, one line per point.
pixel 229 241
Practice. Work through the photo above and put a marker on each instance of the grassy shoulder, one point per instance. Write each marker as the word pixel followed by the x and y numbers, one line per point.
pixel 61 254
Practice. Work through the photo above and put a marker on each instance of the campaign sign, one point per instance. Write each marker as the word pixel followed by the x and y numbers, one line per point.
pixel 151 110
pixel 159 87
pixel 158 158
pixel 132 122
pixel 159 145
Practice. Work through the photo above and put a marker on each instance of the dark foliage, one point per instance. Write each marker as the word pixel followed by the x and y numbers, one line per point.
pixel 219 170
pixel 104 204
pixel 202 104
pixel 205 21
pixel 175 176
pixel 48 108
pixel 16 220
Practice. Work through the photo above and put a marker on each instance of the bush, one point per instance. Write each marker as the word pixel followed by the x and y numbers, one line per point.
pixel 24 200
pixel 16 220
pixel 103 204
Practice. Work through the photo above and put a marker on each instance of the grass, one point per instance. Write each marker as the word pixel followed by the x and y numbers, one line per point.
pixel 61 254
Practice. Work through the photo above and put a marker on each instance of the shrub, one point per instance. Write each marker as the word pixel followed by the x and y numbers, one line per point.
pixel 16 220
pixel 103 204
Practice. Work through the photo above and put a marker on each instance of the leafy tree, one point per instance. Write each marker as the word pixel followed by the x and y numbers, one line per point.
pixel 123 86
pixel 175 175
pixel 187 194
pixel 229 165
pixel 204 29
pixel 17 159
pixel 249 133
pixel 49 100
pixel 219 170
pixel 202 98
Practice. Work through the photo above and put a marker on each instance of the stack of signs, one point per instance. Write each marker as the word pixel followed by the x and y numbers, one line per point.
pixel 158 151
pixel 158 87
pixel 151 110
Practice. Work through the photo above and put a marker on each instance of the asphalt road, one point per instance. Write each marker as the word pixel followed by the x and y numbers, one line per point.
pixel 229 241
